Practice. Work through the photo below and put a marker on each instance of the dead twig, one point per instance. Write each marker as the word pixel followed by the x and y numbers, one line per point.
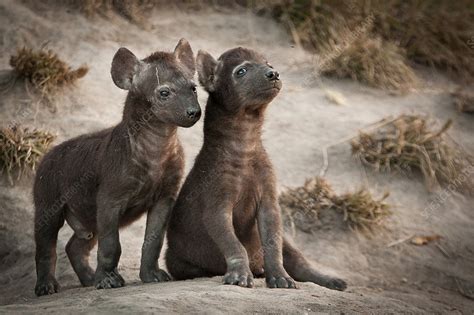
pixel 400 241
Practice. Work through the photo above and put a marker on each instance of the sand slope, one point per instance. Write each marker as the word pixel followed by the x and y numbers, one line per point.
pixel 300 122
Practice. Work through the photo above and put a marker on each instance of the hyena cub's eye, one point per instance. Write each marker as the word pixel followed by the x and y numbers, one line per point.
pixel 241 72
pixel 194 89
pixel 165 92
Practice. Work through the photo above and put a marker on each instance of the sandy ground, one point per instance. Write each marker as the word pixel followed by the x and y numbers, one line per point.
pixel 300 122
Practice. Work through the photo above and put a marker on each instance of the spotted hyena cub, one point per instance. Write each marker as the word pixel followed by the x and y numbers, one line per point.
pixel 226 220
pixel 103 181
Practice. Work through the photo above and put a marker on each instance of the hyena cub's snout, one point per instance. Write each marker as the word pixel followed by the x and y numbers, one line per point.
pixel 273 78
pixel 187 116
pixel 258 74
pixel 180 104
pixel 272 74
pixel 193 113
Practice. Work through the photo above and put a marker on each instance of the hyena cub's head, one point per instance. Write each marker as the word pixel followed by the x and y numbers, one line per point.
pixel 240 78
pixel 161 84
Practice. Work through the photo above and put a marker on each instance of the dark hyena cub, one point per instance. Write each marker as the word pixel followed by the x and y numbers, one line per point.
pixel 103 181
pixel 226 220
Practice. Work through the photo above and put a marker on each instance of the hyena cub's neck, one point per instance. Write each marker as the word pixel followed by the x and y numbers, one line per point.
pixel 236 134
pixel 149 138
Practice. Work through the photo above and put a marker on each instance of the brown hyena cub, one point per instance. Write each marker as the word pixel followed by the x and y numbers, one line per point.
pixel 103 181
pixel 226 220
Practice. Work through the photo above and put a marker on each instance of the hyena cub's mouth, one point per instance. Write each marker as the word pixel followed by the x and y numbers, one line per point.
pixel 277 85
pixel 274 88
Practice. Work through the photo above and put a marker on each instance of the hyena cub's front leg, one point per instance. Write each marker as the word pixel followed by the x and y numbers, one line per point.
pixel 109 251
pixel 157 221
pixel 269 225
pixel 220 228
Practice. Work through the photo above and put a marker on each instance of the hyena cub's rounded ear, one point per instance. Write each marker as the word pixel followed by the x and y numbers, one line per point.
pixel 185 56
pixel 124 66
pixel 206 67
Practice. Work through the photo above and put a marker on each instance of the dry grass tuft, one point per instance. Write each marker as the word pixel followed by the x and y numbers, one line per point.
pixel 361 211
pixel 464 100
pixel 375 62
pixel 305 207
pixel 21 149
pixel 434 33
pixel 302 205
pixel 408 143
pixel 45 70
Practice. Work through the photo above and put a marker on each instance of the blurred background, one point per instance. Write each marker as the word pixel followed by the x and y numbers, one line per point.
pixel 371 139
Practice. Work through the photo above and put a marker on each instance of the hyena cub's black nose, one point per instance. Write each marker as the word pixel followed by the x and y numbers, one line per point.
pixel 193 113
pixel 272 75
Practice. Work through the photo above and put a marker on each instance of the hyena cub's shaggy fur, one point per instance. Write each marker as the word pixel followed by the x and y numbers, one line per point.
pixel 226 220
pixel 103 181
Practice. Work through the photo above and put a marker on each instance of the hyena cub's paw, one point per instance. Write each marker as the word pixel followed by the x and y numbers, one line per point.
pixel 50 286
pixel 87 278
pixel 108 279
pixel 239 277
pixel 157 275
pixel 281 281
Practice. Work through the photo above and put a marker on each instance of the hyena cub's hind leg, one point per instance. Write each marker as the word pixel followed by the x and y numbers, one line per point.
pixel 48 221
pixel 300 269
pixel 182 270
pixel 78 249
pixel 79 246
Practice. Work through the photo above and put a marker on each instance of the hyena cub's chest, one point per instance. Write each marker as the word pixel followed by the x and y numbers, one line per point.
pixel 249 195
pixel 153 163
